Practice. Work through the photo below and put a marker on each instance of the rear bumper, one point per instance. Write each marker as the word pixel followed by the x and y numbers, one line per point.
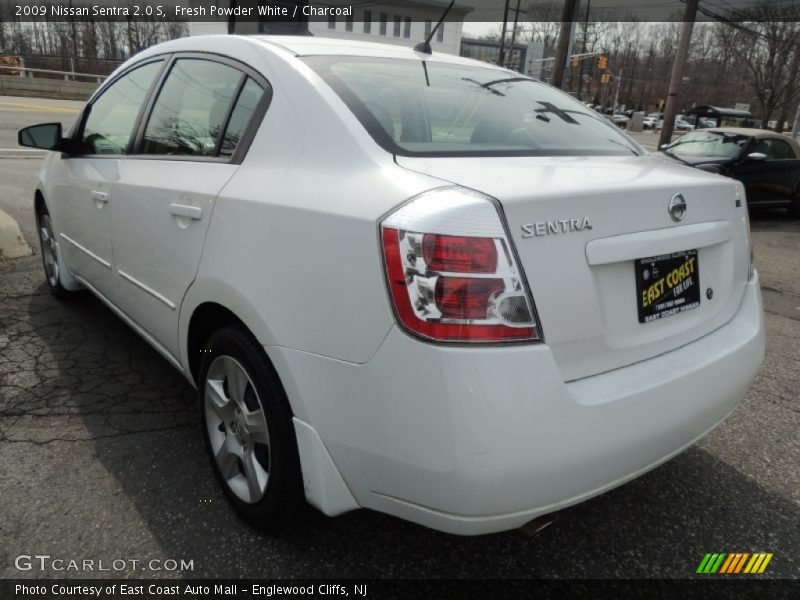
pixel 474 441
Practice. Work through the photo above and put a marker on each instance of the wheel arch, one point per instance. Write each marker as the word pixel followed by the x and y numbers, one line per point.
pixel 208 305
pixel 38 202
pixel 322 483
pixel 67 281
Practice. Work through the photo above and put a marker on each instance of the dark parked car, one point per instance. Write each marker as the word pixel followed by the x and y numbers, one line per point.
pixel 767 163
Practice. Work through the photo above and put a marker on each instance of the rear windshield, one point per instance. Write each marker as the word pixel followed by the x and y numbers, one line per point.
pixel 709 143
pixel 416 108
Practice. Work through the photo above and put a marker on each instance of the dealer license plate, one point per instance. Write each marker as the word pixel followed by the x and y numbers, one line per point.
pixel 667 285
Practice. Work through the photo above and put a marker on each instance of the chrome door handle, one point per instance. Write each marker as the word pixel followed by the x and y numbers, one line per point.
pixel 99 196
pixel 187 211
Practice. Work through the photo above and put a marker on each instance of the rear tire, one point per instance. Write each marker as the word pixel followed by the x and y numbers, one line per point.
pixel 247 426
pixel 50 261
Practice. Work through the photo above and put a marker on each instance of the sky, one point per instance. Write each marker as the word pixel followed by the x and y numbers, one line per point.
pixel 487 14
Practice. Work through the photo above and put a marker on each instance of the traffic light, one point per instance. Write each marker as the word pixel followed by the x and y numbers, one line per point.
pixel 605 78
pixel 575 61
pixel 602 62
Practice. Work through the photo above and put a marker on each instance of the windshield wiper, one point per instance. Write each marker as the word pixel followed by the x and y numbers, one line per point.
pixel 482 85
pixel 561 114
pixel 504 80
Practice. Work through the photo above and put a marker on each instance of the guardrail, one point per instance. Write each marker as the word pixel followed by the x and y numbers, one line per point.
pixel 46 87
pixel 68 75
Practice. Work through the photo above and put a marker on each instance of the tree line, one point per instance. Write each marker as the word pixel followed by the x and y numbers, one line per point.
pixel 752 59
pixel 87 43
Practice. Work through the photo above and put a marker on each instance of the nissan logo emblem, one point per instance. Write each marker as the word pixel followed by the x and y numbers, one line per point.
pixel 677 207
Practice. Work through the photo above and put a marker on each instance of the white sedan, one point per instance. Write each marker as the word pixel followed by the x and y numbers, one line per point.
pixel 652 123
pixel 414 283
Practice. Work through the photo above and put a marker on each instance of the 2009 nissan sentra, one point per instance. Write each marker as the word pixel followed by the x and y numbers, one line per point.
pixel 404 281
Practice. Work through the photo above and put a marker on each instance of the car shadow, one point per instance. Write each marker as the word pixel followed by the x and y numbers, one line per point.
pixel 141 418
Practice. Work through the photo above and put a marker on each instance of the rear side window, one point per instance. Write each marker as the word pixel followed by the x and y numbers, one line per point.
pixel 112 116
pixel 189 115
pixel 242 112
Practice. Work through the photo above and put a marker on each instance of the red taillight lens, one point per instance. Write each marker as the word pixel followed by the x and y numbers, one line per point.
pixel 459 254
pixel 465 297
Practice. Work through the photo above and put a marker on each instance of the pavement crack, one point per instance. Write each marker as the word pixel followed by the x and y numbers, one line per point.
pixel 7 440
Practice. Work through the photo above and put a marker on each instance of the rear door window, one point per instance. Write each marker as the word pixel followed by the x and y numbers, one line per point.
pixel 190 113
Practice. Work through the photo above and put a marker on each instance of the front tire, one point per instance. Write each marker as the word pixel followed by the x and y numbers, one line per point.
pixel 246 422
pixel 50 261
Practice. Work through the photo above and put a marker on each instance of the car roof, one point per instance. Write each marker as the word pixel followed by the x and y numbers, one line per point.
pixel 306 45
pixel 759 134
pixel 752 132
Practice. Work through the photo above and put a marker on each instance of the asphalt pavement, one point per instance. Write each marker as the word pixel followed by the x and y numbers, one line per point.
pixel 101 456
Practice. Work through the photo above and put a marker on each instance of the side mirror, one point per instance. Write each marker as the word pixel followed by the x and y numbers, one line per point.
pixel 755 157
pixel 663 146
pixel 46 136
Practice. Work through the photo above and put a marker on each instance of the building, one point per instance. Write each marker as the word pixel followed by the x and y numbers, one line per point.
pixel 405 23
pixel 523 57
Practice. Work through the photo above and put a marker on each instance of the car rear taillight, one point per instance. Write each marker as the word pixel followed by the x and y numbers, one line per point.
pixel 742 201
pixel 451 270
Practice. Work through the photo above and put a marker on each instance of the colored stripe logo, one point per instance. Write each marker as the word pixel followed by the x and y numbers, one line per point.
pixel 731 563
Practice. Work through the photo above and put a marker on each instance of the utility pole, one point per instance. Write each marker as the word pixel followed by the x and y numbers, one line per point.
pixel 74 44
pixel 796 127
pixel 583 50
pixel 616 94
pixel 565 41
pixel 501 55
pixel 514 34
pixel 671 108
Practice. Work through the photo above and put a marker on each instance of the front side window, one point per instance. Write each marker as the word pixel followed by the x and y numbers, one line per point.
pixel 712 144
pixel 774 149
pixel 439 109
pixel 113 115
pixel 189 115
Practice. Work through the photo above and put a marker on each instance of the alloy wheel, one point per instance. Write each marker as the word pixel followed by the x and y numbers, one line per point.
pixel 49 249
pixel 237 429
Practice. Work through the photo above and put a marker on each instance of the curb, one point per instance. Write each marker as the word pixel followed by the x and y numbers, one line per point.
pixel 12 243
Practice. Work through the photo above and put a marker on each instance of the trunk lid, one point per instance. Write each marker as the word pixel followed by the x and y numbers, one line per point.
pixel 584 279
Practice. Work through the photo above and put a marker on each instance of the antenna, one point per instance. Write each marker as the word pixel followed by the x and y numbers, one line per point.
pixel 426 45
